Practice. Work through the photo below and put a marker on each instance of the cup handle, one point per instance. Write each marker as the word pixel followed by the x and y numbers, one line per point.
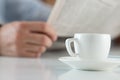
pixel 68 46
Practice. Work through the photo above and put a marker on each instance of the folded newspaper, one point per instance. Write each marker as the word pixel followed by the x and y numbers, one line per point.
pixel 86 16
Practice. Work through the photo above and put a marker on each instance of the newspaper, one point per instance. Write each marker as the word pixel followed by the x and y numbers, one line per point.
pixel 86 16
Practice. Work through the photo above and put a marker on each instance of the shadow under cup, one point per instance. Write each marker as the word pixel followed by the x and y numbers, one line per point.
pixel 89 46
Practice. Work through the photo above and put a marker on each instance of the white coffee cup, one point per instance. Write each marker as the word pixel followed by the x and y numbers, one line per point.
pixel 89 46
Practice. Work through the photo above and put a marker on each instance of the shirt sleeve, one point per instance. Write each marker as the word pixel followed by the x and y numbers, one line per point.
pixel 2 6
pixel 30 10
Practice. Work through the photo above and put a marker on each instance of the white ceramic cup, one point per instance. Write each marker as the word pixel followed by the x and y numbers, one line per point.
pixel 89 46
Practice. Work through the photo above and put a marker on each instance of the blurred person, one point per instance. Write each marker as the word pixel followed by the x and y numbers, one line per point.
pixel 24 32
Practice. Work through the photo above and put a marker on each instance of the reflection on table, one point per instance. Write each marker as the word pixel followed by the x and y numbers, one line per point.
pixel 48 67
pixel 89 75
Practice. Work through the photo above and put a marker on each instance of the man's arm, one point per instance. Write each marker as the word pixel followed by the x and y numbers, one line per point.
pixel 27 10
pixel 0 38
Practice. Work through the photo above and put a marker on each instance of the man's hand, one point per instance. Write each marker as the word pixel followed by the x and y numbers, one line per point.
pixel 26 39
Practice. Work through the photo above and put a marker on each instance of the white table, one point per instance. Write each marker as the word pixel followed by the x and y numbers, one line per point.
pixel 49 68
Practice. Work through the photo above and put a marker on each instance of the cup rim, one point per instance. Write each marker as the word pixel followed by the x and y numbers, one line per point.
pixel 92 34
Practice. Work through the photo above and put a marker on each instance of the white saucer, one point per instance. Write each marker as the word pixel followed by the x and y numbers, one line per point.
pixel 77 63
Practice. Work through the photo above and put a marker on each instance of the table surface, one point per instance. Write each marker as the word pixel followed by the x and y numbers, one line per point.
pixel 48 67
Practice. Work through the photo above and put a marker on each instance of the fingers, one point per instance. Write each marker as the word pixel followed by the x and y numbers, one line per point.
pixel 28 54
pixel 33 45
pixel 33 51
pixel 34 48
pixel 39 39
pixel 41 27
